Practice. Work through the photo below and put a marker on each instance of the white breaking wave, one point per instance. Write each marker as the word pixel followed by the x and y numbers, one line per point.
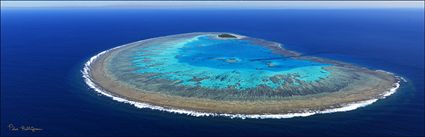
pixel 341 108
pixel 392 90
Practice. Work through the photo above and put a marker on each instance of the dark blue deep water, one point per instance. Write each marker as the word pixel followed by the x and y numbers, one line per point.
pixel 43 51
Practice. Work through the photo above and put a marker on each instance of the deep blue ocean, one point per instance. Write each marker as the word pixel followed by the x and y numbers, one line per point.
pixel 43 52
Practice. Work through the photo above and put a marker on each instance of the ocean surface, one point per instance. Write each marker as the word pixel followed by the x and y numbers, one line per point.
pixel 44 50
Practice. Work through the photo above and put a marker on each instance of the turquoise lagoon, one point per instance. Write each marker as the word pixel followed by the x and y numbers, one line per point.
pixel 209 62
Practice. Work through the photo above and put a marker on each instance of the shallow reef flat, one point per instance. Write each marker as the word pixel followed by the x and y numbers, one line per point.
pixel 233 74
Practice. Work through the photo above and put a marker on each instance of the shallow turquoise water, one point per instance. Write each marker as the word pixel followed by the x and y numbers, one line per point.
pixel 207 62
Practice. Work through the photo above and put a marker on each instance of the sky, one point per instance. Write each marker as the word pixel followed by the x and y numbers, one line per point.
pixel 218 4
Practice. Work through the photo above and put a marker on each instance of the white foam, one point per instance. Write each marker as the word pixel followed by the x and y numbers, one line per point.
pixel 404 80
pixel 392 90
pixel 341 108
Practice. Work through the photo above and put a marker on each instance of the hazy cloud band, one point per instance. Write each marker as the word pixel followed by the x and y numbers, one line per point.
pixel 216 4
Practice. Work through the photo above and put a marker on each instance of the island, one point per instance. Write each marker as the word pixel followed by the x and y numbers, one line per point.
pixel 225 35
pixel 238 75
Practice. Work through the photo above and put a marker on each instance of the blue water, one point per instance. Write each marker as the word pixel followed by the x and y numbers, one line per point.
pixel 213 53
pixel 43 51
pixel 220 63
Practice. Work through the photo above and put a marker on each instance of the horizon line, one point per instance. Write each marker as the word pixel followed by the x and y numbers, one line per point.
pixel 214 4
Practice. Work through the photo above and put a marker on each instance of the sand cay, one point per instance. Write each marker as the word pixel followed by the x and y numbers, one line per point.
pixel 199 72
